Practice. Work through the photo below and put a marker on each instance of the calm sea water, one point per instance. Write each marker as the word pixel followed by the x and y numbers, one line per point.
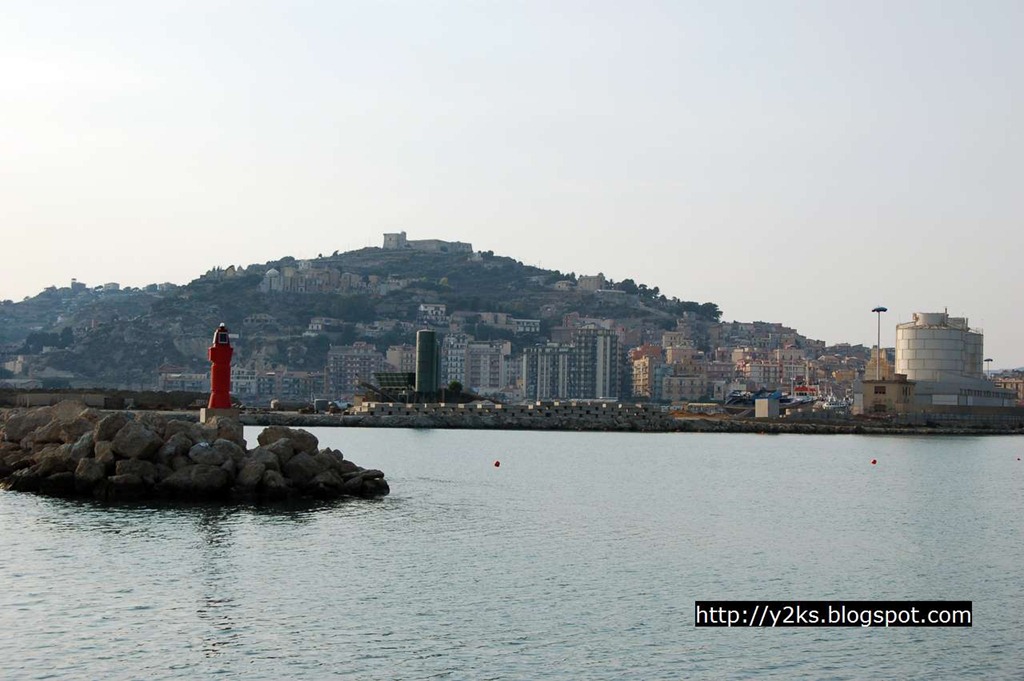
pixel 579 558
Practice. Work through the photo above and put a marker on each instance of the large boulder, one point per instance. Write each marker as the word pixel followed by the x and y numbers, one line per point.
pixel 275 487
pixel 178 427
pixel 229 429
pixel 145 470
pixel 56 459
pixel 74 429
pixel 24 480
pixel 19 426
pixel 208 455
pixel 136 441
pixel 58 485
pixel 325 485
pixel 125 487
pixel 201 480
pixel 202 432
pixel 107 427
pixel 84 446
pixel 250 475
pixel 378 487
pixel 329 459
pixel 283 449
pixel 18 459
pixel 301 468
pixel 177 444
pixel 181 461
pixel 88 473
pixel 302 440
pixel 103 450
pixel 155 422
pixel 266 457
pixel 352 487
pixel 48 433
pixel 233 451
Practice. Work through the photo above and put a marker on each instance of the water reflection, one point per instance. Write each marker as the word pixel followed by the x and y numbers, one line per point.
pixel 214 569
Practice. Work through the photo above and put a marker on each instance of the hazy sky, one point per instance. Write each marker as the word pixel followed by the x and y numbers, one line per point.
pixel 792 162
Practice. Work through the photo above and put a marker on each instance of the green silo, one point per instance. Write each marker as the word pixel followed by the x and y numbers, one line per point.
pixel 427 362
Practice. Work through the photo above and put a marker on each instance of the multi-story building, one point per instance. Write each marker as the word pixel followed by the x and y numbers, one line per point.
pixel 684 388
pixel 318 325
pixel 597 365
pixel 763 373
pixel 349 365
pixel 300 385
pixel 526 326
pixel 546 371
pixel 677 339
pixel 243 382
pixel 183 381
pixel 433 314
pixel 402 358
pixel 453 357
pixel 720 371
pixel 645 361
pixel 1014 383
pixel 486 365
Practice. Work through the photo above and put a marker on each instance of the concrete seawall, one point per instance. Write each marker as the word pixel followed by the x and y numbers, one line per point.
pixel 663 424
pixel 569 417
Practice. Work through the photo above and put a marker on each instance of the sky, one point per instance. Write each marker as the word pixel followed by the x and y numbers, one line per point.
pixel 792 162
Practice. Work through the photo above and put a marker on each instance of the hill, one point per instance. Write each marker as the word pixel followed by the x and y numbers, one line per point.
pixel 95 337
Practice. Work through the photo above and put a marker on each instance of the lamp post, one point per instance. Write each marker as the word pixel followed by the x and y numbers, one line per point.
pixel 878 353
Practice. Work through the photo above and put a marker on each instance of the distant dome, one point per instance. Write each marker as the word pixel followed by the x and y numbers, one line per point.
pixel 272 273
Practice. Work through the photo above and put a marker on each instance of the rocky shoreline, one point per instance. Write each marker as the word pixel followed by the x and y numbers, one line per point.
pixel 70 450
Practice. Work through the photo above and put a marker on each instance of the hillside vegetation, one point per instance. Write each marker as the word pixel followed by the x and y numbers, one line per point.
pixel 123 338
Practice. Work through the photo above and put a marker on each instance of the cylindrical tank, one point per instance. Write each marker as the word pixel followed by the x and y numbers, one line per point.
pixel 427 357
pixel 931 346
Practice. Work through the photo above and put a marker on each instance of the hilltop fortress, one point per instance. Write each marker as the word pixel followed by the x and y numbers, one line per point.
pixel 398 241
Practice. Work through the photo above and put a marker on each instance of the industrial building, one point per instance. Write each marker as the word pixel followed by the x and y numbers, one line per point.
pixel 939 369
pixel 945 358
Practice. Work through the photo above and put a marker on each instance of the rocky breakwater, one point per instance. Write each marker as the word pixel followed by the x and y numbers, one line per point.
pixel 70 450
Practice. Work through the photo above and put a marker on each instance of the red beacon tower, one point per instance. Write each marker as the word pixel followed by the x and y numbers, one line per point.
pixel 220 373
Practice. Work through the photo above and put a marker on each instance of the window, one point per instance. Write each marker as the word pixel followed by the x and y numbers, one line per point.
pixel 222 337
pixel 879 389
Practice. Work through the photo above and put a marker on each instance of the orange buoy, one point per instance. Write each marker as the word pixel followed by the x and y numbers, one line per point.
pixel 497 464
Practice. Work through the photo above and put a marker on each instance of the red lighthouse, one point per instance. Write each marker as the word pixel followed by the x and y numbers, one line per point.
pixel 220 373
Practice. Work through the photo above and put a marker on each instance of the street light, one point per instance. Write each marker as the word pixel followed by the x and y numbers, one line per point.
pixel 878 354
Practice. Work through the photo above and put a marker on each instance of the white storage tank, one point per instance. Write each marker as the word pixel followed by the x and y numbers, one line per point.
pixel 935 344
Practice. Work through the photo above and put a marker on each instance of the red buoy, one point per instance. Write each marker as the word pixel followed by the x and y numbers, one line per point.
pixel 874 461
pixel 220 373
pixel 497 464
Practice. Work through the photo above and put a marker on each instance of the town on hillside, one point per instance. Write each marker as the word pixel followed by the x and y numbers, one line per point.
pixel 341 327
